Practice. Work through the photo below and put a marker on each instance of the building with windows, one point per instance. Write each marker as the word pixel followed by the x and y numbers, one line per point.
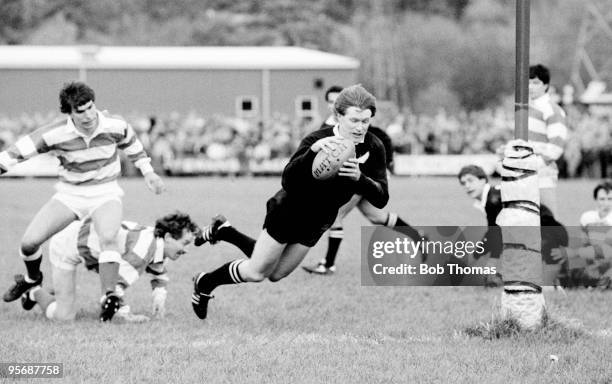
pixel 234 81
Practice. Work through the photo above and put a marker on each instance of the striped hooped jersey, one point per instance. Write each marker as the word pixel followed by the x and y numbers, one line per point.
pixel 138 246
pixel 597 230
pixel 547 128
pixel 84 160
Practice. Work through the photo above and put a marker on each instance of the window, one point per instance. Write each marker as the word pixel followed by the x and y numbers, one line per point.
pixel 306 106
pixel 247 106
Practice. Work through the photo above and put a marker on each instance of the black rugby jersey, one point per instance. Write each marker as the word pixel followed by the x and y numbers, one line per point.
pixel 318 201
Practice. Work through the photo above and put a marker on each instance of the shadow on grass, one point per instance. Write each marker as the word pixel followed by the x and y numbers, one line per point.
pixel 553 330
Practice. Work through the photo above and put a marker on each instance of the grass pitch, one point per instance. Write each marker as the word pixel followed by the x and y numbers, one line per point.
pixel 305 329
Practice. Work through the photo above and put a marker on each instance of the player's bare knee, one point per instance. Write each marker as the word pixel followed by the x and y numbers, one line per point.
pixel 276 277
pixel 108 238
pixel 253 276
pixel 375 216
pixel 377 220
pixel 258 276
pixel 58 312
pixel 64 313
pixel 29 245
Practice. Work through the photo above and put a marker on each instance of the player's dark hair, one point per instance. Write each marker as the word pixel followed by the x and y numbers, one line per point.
pixel 473 170
pixel 174 224
pixel 605 185
pixel 355 96
pixel 332 89
pixel 75 94
pixel 539 71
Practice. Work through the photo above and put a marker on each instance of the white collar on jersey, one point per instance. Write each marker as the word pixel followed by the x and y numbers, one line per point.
pixel 331 120
pixel 482 203
pixel 73 128
pixel 362 159
pixel 337 130
pixel 544 99
pixel 158 257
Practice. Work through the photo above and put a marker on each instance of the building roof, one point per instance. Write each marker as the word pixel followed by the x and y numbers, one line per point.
pixel 67 57
pixel 594 94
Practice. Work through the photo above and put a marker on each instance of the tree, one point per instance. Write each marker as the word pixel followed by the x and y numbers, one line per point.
pixel 484 70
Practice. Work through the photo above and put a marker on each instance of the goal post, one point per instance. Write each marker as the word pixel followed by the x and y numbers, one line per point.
pixel 522 299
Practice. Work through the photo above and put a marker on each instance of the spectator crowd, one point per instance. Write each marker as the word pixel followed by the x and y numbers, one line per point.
pixel 220 138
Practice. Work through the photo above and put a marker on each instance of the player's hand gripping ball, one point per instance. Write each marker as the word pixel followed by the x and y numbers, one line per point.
pixel 333 152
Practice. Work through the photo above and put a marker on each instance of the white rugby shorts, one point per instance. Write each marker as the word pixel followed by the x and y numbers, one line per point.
pixel 84 200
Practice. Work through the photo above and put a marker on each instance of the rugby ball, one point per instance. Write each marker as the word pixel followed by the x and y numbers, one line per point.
pixel 326 165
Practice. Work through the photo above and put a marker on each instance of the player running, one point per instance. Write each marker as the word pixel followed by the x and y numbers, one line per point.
pixel 86 145
pixel 376 216
pixel 143 249
pixel 299 214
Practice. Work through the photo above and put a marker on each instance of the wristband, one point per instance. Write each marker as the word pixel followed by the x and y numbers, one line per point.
pixel 145 168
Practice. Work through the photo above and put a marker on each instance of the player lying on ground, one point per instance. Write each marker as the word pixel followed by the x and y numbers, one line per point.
pixel 590 265
pixel 375 215
pixel 488 199
pixel 86 145
pixel 144 249
pixel 305 207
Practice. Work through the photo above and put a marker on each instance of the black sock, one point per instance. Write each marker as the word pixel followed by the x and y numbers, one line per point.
pixel 233 236
pixel 403 227
pixel 335 238
pixel 225 274
pixel 33 268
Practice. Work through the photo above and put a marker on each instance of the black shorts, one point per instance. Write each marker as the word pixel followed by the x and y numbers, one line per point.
pixel 291 225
